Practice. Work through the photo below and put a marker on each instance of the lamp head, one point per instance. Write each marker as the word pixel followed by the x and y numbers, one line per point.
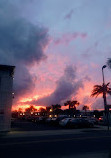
pixel 104 66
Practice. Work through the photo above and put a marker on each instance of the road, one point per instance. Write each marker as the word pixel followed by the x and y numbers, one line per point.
pixel 89 142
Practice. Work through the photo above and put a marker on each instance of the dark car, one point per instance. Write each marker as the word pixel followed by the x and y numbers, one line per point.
pixel 64 122
pixel 59 118
pixel 94 120
pixel 73 123
pixel 80 122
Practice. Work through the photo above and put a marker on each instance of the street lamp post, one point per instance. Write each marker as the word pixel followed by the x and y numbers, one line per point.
pixel 104 98
pixel 104 91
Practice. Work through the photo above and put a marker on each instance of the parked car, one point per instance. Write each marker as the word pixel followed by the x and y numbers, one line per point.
pixel 48 120
pixel 36 119
pixel 64 122
pixel 42 119
pixel 94 120
pixel 74 123
pixel 59 118
pixel 80 122
pixel 101 119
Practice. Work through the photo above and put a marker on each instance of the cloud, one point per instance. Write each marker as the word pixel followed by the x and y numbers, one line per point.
pixel 99 102
pixel 69 15
pixel 65 39
pixel 21 44
pixel 66 86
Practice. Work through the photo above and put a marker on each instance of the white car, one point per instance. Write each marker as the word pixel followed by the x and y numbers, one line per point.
pixel 64 122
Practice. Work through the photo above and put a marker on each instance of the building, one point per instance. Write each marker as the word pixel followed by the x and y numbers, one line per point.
pixel 6 95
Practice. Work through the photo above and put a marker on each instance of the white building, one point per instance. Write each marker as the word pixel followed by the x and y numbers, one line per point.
pixel 6 84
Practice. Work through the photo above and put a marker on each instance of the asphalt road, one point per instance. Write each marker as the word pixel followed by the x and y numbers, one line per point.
pixel 22 125
pixel 57 146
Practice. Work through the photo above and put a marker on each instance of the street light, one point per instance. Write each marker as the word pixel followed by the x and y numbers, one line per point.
pixel 104 98
pixel 104 91
pixel 103 73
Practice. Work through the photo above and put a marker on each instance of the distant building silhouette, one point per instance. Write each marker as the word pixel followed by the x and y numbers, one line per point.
pixel 6 95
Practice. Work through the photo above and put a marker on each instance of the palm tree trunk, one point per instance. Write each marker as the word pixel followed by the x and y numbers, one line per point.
pixel 105 102
pixel 106 108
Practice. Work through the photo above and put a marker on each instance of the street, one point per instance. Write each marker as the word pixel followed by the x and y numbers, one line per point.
pixel 60 146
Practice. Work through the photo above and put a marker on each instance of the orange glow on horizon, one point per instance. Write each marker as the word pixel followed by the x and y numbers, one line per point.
pixel 65 107
pixel 24 103
pixel 83 97
pixel 23 107
pixel 29 99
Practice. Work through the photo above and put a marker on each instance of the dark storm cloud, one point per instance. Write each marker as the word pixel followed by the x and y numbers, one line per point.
pixel 22 41
pixel 66 87
pixel 21 44
pixel 23 81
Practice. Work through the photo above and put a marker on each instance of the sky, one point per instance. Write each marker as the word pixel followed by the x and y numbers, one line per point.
pixel 58 48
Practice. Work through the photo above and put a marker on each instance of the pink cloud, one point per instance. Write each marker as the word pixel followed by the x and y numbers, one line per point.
pixel 67 38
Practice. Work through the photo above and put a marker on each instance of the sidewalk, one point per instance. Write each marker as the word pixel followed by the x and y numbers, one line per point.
pixel 14 134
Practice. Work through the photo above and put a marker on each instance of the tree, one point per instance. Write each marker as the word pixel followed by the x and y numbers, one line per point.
pixel 15 114
pixel 56 109
pixel 72 104
pixel 31 109
pixel 99 89
pixel 104 90
pixel 48 109
pixel 42 110
pixel 75 103
pixel 57 106
pixel 20 110
pixel 85 108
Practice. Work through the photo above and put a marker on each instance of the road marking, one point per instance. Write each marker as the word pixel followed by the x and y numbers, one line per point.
pixel 52 140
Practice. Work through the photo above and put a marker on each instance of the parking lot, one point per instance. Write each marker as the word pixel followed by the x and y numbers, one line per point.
pixel 24 125
pixel 38 124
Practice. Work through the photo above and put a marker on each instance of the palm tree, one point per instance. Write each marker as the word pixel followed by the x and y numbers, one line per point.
pixel 100 89
pixel 72 104
pixel 56 106
pixel 85 108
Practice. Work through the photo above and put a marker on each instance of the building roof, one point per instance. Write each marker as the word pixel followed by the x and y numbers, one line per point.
pixel 7 68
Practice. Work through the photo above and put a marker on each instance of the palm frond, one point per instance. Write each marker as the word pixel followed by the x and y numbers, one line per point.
pixel 99 89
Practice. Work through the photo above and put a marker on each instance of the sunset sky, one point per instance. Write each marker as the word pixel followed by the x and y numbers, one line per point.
pixel 58 48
